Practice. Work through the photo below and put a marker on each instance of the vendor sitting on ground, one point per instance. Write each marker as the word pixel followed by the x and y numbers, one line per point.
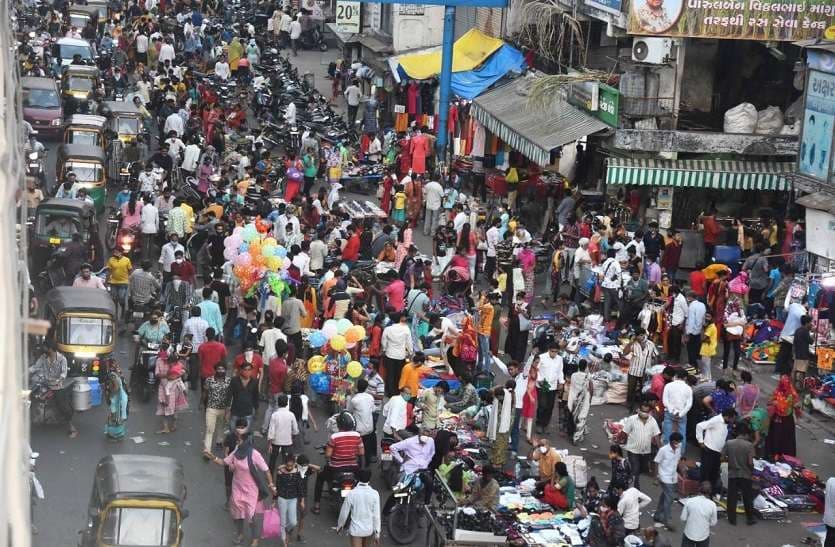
pixel 479 415
pixel 560 493
pixel 548 458
pixel 485 493
pixel 466 396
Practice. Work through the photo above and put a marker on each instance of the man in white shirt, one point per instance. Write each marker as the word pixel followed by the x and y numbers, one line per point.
pixel 395 416
pixel 550 376
pixel 191 155
pixel 290 113
pixel 283 427
pixel 142 47
pixel 433 193
pixel 711 435
pixel 318 252
pixel 166 52
pixel 641 430
pixel 677 399
pixel 222 69
pixel 269 337
pixel 295 34
pixel 829 510
pixel 631 502
pixel 610 282
pixel 460 219
pixel 147 180
pixel 353 94
pixel 396 344
pixel 667 460
pixel 679 316
pixel 517 375
pixel 196 326
pixel 166 257
pixel 361 406
pixel 698 515
pixel 174 122
pixel 361 510
pixel 149 226
pixel 284 29
pixel 493 236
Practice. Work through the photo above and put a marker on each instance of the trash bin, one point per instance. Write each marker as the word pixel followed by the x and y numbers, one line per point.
pixel 81 395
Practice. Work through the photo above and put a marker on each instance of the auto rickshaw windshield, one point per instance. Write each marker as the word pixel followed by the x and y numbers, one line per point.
pixel 86 331
pixel 86 172
pixel 139 526
pixel 80 83
pixel 84 137
pixel 79 20
pixel 57 223
pixel 128 126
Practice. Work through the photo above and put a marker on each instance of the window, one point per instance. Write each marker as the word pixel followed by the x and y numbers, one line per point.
pixel 139 527
pixel 57 224
pixel 387 19
pixel 86 172
pixel 84 137
pixel 41 98
pixel 77 83
pixel 86 331
pixel 128 126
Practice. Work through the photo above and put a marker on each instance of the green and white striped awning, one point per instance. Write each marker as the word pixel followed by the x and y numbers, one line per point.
pixel 718 174
pixel 531 129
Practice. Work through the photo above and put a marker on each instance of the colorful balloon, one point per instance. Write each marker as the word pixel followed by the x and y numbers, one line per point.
pixel 316 339
pixel 355 334
pixel 316 364
pixel 329 329
pixel 338 342
pixel 243 260
pixel 320 382
pixel 343 325
pixel 281 252
pixel 354 369
pixel 230 254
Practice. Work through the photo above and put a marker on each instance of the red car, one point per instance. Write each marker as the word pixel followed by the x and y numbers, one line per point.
pixel 42 106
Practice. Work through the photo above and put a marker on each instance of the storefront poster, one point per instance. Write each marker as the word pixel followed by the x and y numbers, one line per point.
pixel 348 16
pixel 820 233
pixel 818 122
pixel 772 20
pixel 600 100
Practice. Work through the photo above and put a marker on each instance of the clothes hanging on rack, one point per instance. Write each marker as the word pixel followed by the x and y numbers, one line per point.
pixel 412 93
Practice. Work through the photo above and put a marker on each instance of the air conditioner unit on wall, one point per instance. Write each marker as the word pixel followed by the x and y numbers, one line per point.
pixel 654 51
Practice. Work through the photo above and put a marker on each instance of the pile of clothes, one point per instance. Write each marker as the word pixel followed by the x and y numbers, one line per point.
pixel 789 484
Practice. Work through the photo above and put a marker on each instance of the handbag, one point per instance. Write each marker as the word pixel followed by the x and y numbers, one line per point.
pixel 260 479
pixel 271 527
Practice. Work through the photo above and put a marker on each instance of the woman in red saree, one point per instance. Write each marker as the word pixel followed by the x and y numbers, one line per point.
pixel 388 184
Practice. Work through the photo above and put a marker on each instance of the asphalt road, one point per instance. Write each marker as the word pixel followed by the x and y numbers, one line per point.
pixel 66 465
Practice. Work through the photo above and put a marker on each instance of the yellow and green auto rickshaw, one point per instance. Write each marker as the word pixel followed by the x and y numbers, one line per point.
pixel 124 119
pixel 81 15
pixel 83 323
pixel 89 163
pixel 85 129
pixel 136 501
pixel 54 223
pixel 81 85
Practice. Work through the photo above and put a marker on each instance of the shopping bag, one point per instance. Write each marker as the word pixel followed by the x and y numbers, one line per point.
pixel 272 524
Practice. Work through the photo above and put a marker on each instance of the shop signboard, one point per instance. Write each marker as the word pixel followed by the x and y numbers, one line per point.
pixel 820 233
pixel 600 100
pixel 348 16
pixel 611 6
pixel 815 159
pixel 769 20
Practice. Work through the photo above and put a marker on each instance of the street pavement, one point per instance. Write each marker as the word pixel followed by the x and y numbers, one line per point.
pixel 66 466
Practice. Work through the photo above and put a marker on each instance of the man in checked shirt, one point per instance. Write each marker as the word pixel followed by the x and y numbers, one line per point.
pixel 142 285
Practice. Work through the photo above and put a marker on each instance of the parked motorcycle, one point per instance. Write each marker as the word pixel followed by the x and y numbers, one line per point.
pixel 404 509
pixel 143 379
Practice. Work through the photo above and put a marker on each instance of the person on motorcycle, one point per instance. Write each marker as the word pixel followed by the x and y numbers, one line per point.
pixel 415 453
pixel 344 453
pixel 118 82
pixel 86 279
pixel 51 369
pixel 142 285
pixel 153 331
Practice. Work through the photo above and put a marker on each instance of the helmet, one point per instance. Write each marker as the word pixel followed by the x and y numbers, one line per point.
pixel 345 421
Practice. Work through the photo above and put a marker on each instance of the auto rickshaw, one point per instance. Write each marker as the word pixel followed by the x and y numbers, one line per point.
pixel 81 86
pixel 89 163
pixel 80 15
pixel 83 326
pixel 86 129
pixel 136 500
pixel 54 223
pixel 124 119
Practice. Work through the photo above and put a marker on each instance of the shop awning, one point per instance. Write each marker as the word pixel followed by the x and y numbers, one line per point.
pixel 821 201
pixel 468 52
pixel 532 130
pixel 472 83
pixel 718 174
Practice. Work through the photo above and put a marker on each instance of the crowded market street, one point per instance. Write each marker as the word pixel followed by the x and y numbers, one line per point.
pixel 271 311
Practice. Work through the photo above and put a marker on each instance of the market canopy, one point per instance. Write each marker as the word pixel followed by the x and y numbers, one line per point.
pixel 717 174
pixel 533 130
pixel 468 52
pixel 472 83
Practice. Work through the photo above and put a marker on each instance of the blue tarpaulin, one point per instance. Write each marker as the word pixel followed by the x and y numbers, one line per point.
pixel 471 83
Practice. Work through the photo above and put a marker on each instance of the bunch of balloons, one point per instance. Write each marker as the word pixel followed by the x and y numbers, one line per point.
pixel 257 257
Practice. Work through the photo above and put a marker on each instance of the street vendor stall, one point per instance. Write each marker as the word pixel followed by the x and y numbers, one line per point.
pixel 361 210
pixel 362 177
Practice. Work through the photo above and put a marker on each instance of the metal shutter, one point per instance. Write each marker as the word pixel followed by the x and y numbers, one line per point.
pixel 465 19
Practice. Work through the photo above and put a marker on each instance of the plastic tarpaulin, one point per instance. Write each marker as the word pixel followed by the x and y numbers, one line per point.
pixel 468 52
pixel 471 83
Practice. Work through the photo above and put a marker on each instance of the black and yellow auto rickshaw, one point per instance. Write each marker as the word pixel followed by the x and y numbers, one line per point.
pixel 81 87
pixel 80 16
pixel 89 163
pixel 85 129
pixel 136 501
pixel 54 223
pixel 82 327
pixel 124 119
